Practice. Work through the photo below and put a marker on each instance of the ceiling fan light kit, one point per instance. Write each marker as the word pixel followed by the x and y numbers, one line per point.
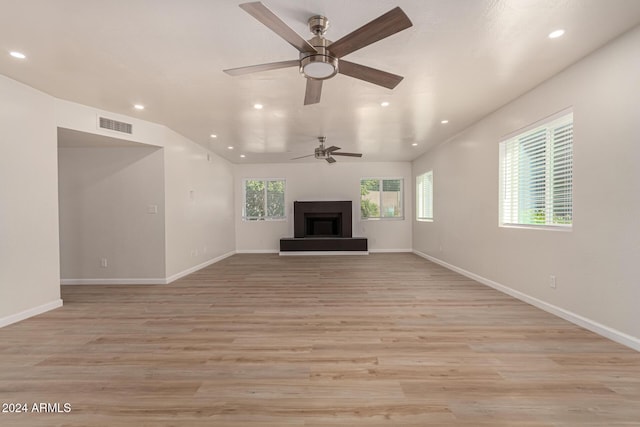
pixel 321 65
pixel 319 58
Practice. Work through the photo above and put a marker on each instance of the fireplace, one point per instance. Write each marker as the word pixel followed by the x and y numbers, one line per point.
pixel 322 228
pixel 322 219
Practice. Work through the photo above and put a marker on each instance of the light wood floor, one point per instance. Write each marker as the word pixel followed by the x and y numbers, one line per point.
pixel 262 340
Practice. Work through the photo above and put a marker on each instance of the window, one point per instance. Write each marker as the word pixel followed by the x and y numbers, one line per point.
pixel 424 196
pixel 263 199
pixel 381 198
pixel 536 175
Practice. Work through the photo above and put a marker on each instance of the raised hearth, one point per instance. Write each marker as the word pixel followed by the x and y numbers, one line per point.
pixel 321 244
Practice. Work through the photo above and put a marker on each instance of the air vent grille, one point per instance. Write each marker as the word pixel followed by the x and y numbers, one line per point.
pixel 116 125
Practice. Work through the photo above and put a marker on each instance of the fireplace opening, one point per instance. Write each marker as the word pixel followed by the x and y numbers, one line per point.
pixel 323 225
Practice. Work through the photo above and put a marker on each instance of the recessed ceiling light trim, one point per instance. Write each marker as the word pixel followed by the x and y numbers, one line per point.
pixel 18 55
pixel 138 106
pixel 258 106
pixel 555 34
pixel 384 104
pixel 444 122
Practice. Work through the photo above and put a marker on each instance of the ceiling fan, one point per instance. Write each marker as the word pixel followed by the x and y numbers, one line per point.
pixel 327 153
pixel 321 59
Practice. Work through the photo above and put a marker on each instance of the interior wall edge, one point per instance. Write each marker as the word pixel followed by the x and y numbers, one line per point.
pixel 195 268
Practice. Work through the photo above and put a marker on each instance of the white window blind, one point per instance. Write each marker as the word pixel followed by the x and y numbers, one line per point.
pixel 424 196
pixel 536 175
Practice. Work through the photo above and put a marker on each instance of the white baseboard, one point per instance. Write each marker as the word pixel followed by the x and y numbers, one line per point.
pixel 388 251
pixel 593 326
pixel 193 269
pixel 146 281
pixel 149 281
pixel 314 253
pixel 257 251
pixel 13 318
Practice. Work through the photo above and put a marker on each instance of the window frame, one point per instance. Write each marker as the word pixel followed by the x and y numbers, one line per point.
pixel 383 218
pixel 420 196
pixel 263 218
pixel 553 121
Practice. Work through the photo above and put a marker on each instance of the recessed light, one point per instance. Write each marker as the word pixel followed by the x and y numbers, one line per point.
pixel 415 144
pixel 384 104
pixel 18 55
pixel 213 135
pixel 444 122
pixel 139 107
pixel 555 34
pixel 230 147
pixel 243 156
pixel 257 106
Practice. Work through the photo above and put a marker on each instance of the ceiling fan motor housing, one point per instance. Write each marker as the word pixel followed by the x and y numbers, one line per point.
pixel 321 65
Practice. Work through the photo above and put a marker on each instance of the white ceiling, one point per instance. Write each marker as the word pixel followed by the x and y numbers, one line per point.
pixel 461 60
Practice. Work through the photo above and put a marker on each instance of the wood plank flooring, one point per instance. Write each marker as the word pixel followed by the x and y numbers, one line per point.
pixel 262 340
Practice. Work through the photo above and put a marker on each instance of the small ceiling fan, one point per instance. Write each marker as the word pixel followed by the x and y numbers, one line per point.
pixel 327 153
pixel 321 59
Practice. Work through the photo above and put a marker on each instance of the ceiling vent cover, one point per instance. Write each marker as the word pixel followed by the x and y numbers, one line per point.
pixel 116 125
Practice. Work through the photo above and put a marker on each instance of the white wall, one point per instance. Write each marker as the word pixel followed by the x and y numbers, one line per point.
pixel 29 255
pixel 71 115
pixel 199 206
pixel 105 194
pixel 198 229
pixel 321 181
pixel 596 263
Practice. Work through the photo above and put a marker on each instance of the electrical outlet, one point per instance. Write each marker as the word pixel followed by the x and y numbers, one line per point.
pixel 552 282
pixel 103 263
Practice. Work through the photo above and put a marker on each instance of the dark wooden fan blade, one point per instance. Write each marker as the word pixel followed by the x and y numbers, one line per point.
pixel 261 67
pixel 275 24
pixel 384 26
pixel 368 74
pixel 339 153
pixel 302 157
pixel 313 92
pixel 330 160
pixel 332 148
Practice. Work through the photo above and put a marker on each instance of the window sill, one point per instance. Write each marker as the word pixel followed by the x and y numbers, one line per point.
pixel 383 219
pixel 264 219
pixel 424 220
pixel 561 228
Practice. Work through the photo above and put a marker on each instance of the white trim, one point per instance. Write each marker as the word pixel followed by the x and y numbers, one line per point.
pixel 146 281
pixel 593 326
pixel 25 314
pixel 257 251
pixel 548 227
pixel 389 250
pixel 193 269
pixel 303 253
pixel 384 218
pixel 107 281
